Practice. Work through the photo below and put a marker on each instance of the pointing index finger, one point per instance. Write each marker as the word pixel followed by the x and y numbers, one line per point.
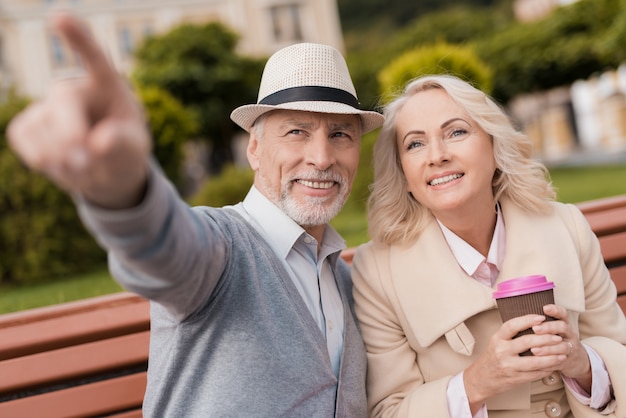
pixel 80 40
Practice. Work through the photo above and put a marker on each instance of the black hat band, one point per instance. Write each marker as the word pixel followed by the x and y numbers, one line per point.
pixel 310 94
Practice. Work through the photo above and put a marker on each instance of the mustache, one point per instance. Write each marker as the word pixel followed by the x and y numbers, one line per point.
pixel 320 175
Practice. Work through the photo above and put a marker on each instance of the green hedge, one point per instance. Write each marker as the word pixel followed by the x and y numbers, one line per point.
pixel 441 58
pixel 40 234
pixel 228 188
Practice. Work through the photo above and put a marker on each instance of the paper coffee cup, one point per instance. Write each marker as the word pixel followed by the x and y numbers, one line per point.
pixel 523 296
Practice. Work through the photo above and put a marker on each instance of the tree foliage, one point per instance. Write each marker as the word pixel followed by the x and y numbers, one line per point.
pixel 41 236
pixel 197 65
pixel 571 43
pixel 230 187
pixel 357 14
pixel 441 58
pixel 457 25
pixel 566 46
pixel 170 125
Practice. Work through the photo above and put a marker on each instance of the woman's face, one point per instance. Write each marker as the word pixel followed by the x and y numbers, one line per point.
pixel 446 157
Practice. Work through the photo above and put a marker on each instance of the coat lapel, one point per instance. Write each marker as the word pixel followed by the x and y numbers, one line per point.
pixel 543 245
pixel 437 296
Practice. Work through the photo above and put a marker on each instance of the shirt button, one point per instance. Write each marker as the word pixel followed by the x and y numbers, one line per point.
pixel 330 325
pixel 553 409
pixel 308 240
pixel 550 380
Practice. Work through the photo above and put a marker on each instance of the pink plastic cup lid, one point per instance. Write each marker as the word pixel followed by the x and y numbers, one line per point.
pixel 522 286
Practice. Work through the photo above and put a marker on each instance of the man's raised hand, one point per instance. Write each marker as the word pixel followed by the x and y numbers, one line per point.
pixel 89 134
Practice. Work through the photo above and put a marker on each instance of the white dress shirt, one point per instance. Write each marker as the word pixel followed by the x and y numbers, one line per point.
pixel 311 272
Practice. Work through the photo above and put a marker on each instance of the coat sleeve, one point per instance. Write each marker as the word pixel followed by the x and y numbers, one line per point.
pixel 602 325
pixel 396 386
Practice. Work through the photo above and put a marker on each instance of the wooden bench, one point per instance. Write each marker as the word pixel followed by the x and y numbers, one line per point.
pixel 77 359
pixel 607 218
pixel 89 358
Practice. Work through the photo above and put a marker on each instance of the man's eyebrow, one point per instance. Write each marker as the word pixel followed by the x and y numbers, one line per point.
pixel 289 123
pixel 342 126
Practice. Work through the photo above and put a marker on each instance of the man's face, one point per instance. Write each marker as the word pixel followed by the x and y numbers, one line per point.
pixel 305 162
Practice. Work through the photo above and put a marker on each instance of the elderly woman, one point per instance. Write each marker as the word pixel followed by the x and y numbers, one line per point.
pixel 458 206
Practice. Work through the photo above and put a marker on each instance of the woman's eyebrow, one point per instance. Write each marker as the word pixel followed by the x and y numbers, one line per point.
pixel 450 121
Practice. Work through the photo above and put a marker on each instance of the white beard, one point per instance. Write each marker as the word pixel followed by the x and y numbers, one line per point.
pixel 313 211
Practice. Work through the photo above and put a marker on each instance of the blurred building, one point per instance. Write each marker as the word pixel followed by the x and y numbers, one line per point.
pixel 585 119
pixel 529 10
pixel 31 56
pixel 579 122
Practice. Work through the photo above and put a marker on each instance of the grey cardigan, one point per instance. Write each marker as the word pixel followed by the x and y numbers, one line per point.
pixel 243 346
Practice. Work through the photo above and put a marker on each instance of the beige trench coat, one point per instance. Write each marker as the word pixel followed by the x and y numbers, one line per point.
pixel 424 319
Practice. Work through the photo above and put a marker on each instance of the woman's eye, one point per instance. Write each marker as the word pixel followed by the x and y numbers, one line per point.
pixel 457 134
pixel 415 145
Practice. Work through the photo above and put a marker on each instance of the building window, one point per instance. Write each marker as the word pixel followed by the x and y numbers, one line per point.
pixel 131 34
pixel 286 23
pixel 62 57
pixel 59 58
pixel 126 41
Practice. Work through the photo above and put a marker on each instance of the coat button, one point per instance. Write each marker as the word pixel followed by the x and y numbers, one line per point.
pixel 553 409
pixel 550 380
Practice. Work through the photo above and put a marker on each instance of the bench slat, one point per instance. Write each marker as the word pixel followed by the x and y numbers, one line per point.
pixel 94 399
pixel 62 331
pixel 608 222
pixel 73 362
pixel 602 204
pixel 613 247
pixel 348 254
pixel 130 414
pixel 68 308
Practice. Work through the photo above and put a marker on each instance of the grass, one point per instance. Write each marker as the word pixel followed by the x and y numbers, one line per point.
pixel 57 291
pixel 574 184
pixel 578 184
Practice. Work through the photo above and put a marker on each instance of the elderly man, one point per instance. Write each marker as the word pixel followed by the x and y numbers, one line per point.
pixel 251 308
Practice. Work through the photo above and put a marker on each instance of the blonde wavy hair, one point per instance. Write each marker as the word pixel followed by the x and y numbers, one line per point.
pixel 395 217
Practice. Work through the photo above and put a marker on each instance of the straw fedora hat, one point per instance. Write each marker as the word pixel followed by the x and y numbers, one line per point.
pixel 308 77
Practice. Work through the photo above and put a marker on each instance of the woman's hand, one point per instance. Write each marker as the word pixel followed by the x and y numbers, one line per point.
pixel 500 367
pixel 574 362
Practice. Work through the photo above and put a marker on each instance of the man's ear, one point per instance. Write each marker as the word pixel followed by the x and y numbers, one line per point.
pixel 252 150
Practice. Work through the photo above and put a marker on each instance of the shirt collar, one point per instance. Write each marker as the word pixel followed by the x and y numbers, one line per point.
pixel 280 230
pixel 467 256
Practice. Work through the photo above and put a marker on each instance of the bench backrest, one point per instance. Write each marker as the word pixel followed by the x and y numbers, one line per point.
pixel 607 218
pixel 78 359
pixel 89 358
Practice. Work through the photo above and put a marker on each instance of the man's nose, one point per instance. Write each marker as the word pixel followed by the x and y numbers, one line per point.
pixel 320 152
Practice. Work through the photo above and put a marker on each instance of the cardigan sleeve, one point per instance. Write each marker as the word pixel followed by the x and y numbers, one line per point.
pixel 162 249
